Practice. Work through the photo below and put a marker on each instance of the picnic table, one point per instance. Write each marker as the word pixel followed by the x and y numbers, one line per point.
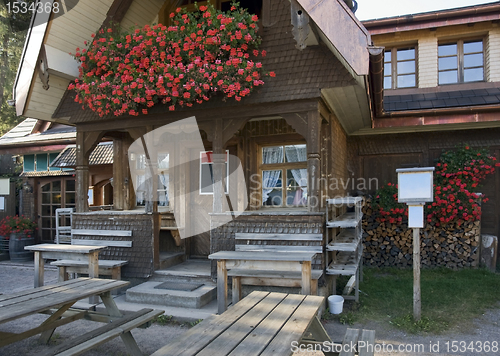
pixel 262 323
pixel 60 297
pixel 268 261
pixel 64 252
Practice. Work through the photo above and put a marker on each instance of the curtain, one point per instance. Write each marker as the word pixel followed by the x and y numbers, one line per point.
pixel 298 153
pixel 163 189
pixel 270 178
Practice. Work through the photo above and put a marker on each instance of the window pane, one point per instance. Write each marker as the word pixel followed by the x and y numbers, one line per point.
pixel 70 185
pixel 387 82
pixel 473 75
pixel 447 50
pixel 271 188
pixel 272 155
pixel 163 160
pixel 448 63
pixel 471 47
pixel 41 162
pixel 406 81
pixel 70 199
pixel 52 157
pixel 271 179
pixel 296 187
pixel 406 67
pixel 473 60
pixel 296 153
pixel 448 77
pixel 56 186
pixel 45 198
pixel 387 69
pixel 29 163
pixel 56 198
pixel 206 179
pixel 141 162
pixel 405 54
pixel 387 56
pixel 46 188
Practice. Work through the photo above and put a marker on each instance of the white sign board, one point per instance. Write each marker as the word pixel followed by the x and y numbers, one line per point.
pixel 416 216
pixel 415 185
pixel 4 186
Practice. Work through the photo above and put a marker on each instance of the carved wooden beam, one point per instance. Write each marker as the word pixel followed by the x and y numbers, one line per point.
pixel 298 121
pixel 43 68
pixel 300 23
pixel 232 126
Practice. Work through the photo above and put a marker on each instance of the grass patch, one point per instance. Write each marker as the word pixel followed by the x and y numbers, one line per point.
pixel 449 298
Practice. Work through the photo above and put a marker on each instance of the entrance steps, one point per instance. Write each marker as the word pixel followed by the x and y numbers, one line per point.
pixel 185 285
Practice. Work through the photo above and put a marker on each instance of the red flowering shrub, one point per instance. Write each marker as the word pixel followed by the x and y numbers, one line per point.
pixel 202 53
pixel 16 224
pixel 456 179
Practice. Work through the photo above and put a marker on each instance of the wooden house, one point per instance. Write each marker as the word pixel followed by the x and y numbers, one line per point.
pixel 319 96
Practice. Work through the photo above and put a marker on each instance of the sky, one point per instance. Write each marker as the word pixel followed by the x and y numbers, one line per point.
pixel 376 9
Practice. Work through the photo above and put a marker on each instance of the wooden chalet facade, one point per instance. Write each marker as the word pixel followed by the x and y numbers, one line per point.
pixel 318 97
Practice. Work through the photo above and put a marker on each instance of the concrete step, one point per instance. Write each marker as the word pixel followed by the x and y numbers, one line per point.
pixel 169 259
pixel 146 293
pixel 188 271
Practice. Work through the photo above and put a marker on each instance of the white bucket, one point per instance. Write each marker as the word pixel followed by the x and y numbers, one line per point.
pixel 335 304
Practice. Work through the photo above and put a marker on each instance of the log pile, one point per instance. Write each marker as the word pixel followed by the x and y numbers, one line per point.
pixel 453 246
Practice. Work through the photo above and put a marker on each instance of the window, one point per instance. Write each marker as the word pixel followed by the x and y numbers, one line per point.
pixel 163 180
pixel 400 68
pixel 40 162
pixel 461 62
pixel 284 175
pixel 207 175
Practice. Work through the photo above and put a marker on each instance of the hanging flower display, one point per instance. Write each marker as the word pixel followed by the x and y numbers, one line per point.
pixel 200 54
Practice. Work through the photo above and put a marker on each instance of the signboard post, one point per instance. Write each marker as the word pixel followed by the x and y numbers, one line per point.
pixel 415 188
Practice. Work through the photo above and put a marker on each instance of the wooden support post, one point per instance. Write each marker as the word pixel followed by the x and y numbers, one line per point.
pixel 218 167
pixel 236 289
pixel 306 277
pixel 313 160
pixel 221 286
pixel 39 269
pixel 416 275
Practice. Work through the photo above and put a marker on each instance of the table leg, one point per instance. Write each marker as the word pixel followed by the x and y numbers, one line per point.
pixel 94 272
pixel 127 337
pixel 221 286
pixel 39 269
pixel 236 289
pixel 306 278
pixel 320 335
pixel 94 264
pixel 46 335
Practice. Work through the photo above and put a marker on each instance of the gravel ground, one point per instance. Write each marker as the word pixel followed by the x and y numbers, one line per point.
pixel 17 277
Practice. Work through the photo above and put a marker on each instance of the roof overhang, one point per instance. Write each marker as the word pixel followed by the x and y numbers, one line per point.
pixel 350 43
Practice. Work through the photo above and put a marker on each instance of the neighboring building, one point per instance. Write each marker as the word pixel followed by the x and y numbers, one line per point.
pixel 48 171
pixel 441 77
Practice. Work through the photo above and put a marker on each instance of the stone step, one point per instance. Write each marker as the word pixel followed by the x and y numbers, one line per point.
pixel 169 259
pixel 146 293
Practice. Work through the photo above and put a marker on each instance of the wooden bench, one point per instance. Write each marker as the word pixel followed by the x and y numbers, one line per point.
pixel 269 244
pixel 117 327
pixel 106 267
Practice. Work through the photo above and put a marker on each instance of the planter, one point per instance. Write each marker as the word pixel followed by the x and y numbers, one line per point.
pixel 16 247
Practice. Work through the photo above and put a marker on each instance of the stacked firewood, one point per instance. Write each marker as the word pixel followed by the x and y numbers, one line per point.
pixel 453 246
